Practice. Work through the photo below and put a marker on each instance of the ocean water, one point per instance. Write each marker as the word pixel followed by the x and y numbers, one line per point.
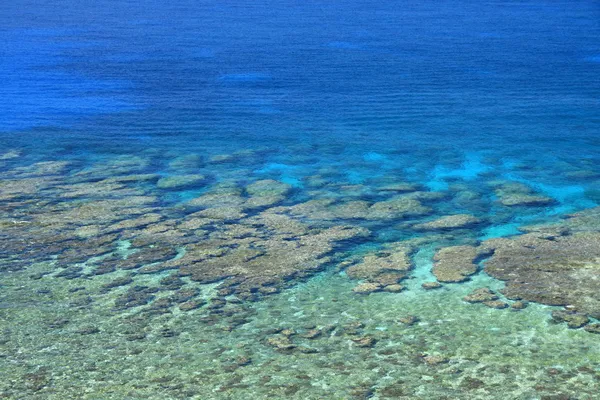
pixel 132 138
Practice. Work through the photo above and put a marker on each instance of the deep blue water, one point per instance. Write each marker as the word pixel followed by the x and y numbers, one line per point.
pixel 515 76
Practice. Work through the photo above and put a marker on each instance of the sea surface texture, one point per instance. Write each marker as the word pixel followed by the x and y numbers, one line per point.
pixel 300 199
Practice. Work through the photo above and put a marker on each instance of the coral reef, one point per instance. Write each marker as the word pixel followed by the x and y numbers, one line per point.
pixel 449 222
pixel 456 263
pixel 384 268
pixel 553 270
pixel 180 181
pixel 513 194
pixel 112 285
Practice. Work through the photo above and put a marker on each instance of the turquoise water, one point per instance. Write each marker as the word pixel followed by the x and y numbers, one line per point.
pixel 192 194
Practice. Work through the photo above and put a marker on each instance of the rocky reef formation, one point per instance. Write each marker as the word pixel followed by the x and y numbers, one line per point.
pixel 456 263
pixel 264 251
pixel 553 264
pixel 554 270
pixel 87 218
pixel 449 222
pixel 116 220
pixel 512 194
pixel 266 192
pixel 397 207
pixel 382 270
pixel 180 181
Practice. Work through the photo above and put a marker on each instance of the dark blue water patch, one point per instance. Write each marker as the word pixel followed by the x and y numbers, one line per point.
pixel 594 58
pixel 245 77
pixel 344 45
pixel 37 88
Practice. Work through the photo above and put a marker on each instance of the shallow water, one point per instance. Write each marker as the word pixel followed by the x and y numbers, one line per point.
pixel 376 117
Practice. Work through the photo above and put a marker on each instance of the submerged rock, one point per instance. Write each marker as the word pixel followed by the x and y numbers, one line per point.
pixel 156 252
pixel 223 195
pixel 549 269
pixel 312 334
pixel 519 305
pixel 242 361
pixel 352 328
pixel 281 343
pixel 386 267
pixel 409 320
pixel 431 285
pixel 184 295
pixel 104 269
pixel 134 297
pixel 134 223
pixel 456 263
pixel 10 154
pixel 191 305
pixel 497 304
pixel 119 165
pixel 121 281
pixel 237 157
pixel 592 328
pixel 268 290
pixel 288 332
pixel 266 193
pixel 395 288
pixel 186 162
pixel 268 187
pixel 434 359
pixel 358 209
pixel 88 330
pixel 519 199
pixel 281 249
pixel 397 208
pixel 70 273
pixel 400 187
pixel 585 174
pixel 367 288
pixel 307 350
pixel 481 295
pixel 176 182
pixel 573 319
pixel 449 222
pixel 222 158
pixel 582 221
pixel 512 194
pixel 224 213
pixel 365 341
